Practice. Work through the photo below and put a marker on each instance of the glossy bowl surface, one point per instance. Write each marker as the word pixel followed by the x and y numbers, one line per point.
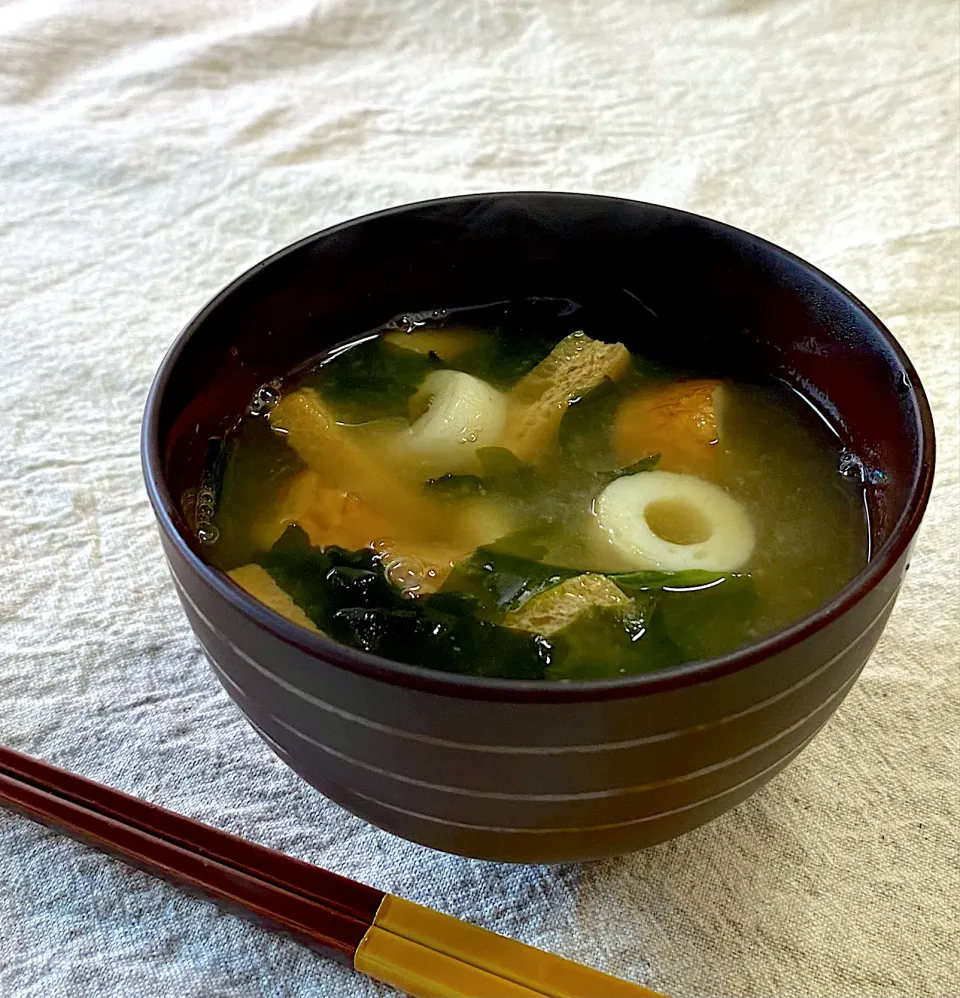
pixel 523 771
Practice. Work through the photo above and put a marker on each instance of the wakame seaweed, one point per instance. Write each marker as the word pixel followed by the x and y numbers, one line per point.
pixel 348 596
pixel 373 379
pixel 523 332
pixel 504 575
pixel 501 472
pixel 708 620
pixel 608 642
pixel 744 475
pixel 580 443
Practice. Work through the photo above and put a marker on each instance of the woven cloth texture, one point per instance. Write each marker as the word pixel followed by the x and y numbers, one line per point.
pixel 151 152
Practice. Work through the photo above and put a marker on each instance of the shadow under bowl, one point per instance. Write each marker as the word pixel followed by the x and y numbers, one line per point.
pixel 523 771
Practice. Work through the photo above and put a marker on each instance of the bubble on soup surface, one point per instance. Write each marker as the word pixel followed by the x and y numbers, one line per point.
pixel 208 534
pixel 850 466
pixel 265 400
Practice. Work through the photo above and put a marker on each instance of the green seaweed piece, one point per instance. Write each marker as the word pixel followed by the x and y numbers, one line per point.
pixel 348 595
pixel 608 643
pixel 322 581
pixel 254 465
pixel 502 472
pixel 373 379
pixel 462 486
pixel 647 463
pixel 709 620
pixel 586 439
pixel 504 575
pixel 508 357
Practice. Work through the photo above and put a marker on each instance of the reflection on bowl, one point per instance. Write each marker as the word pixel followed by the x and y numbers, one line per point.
pixel 527 771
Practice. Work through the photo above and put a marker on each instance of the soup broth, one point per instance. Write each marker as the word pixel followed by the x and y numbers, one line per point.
pixel 508 492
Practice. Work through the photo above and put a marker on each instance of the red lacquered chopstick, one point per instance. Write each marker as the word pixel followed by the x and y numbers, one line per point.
pixel 329 932
pixel 329 889
pixel 413 948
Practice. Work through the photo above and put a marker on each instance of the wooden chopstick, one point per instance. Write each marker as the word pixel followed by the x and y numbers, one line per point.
pixel 418 950
pixel 330 889
pixel 333 934
pixel 328 932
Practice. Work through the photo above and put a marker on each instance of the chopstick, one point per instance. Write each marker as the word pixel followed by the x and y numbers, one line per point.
pixel 340 893
pixel 335 935
pixel 420 951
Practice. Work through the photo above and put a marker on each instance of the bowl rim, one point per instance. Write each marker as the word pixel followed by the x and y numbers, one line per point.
pixel 333 653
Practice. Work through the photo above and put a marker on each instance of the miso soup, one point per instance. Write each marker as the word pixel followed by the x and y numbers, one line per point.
pixel 508 492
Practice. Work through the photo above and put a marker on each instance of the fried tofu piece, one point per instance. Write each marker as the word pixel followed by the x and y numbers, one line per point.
pixel 422 566
pixel 429 547
pixel 333 453
pixel 325 447
pixel 328 514
pixel 447 344
pixel 553 610
pixel 539 400
pixel 349 497
pixel 418 567
pixel 258 582
pixel 681 422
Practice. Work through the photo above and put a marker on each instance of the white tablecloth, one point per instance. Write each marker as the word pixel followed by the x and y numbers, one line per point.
pixel 150 152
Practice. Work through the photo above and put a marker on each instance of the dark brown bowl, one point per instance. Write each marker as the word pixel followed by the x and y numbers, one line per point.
pixel 507 769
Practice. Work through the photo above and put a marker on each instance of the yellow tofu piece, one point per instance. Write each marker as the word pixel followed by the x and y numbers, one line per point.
pixel 557 607
pixel 423 566
pixel 314 433
pixel 258 582
pixel 539 400
pixel 447 344
pixel 342 463
pixel 678 421
pixel 328 514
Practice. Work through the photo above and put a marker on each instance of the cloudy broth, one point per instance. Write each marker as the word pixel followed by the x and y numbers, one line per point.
pixel 508 492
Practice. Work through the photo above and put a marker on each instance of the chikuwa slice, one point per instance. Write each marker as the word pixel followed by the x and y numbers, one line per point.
pixel 459 414
pixel 671 522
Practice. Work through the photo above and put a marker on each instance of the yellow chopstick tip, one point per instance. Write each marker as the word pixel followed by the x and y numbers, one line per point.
pixel 445 946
